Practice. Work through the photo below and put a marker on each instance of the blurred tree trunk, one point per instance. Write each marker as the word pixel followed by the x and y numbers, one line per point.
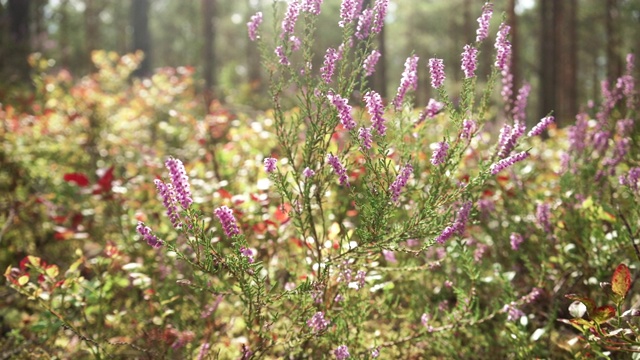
pixel 18 11
pixel 141 35
pixel 65 45
pixel 547 57
pixel 207 53
pixel 121 22
pixel 567 102
pixel 40 27
pixel 92 28
pixel 614 60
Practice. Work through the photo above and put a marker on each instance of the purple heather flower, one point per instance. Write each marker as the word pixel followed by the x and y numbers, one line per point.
pixel 290 18
pixel 462 217
pixel 344 110
pixel 513 313
pixel 424 320
pixel 503 46
pixel 578 133
pixel 180 181
pixel 631 179
pixel 228 221
pixel 360 279
pixel 364 24
pixel 364 134
pixel 601 141
pixel 330 59
pixel 543 215
pixel 624 127
pixel 283 59
pixel 446 234
pixel 295 43
pixel 433 108
pixel 380 10
pixel 311 6
pixel 479 252
pixel 541 126
pixel 307 172
pixel 507 85
pixel 248 253
pixel 509 137
pixel 370 62
pixel 505 163
pixel 318 323
pixel 169 202
pixel 469 61
pixel 400 182
pixel 148 235
pixel 375 352
pixel 520 106
pixel 376 110
pixel 483 22
pixel 439 155
pixel 338 169
pixel 409 80
pixel 389 256
pixel 619 151
pixel 253 24
pixel 270 165
pixel 436 69
pixel 348 11
pixel 516 241
pixel 338 298
pixel 341 352
pixel 468 128
pixel 204 349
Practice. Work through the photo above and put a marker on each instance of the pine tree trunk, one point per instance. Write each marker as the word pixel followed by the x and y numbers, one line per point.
pixel 141 35
pixel 207 52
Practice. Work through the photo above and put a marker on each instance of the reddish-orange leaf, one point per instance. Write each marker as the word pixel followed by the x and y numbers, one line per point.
pixel 621 280
pixel 603 313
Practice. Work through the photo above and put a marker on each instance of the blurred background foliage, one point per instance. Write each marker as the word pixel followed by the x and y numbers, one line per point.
pixel 563 48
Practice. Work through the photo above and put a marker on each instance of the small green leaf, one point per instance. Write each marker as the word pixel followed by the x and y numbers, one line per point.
pixel 621 280
pixel 603 313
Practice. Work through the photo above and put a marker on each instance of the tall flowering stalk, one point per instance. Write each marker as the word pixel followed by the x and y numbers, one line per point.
pixel 370 62
pixel 440 153
pixel 169 202
pixel 409 80
pixel 180 181
pixel 228 221
pixel 483 22
pixel 469 61
pixel 290 19
pixel 436 69
pixel 148 235
pixel 376 110
pixel 253 25
pixel 400 182
pixel 339 169
pixel 344 110
pixel 330 58
pixel 503 47
pixel 380 9
pixel 507 162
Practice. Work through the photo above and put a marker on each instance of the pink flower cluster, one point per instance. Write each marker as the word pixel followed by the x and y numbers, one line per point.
pixel 409 80
pixel 228 221
pixel 376 110
pixel 400 182
pixel 330 58
pixel 505 163
pixel 253 24
pixel 370 62
pixel 483 22
pixel 148 235
pixel 344 110
pixel 436 69
pixel 469 61
pixel 541 126
pixel 339 169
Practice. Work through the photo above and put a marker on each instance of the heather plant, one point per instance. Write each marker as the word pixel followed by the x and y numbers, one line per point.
pixel 337 225
pixel 365 204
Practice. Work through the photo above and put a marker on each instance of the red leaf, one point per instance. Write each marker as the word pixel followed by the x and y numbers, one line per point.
pixel 621 280
pixel 78 178
pixel 281 213
pixel 104 183
pixel 224 194
pixel 603 313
